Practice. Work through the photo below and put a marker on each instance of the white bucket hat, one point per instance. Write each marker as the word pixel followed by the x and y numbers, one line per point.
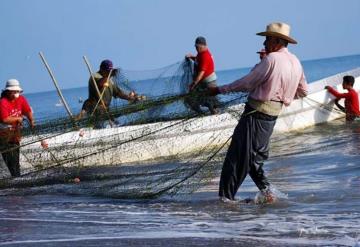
pixel 279 30
pixel 13 85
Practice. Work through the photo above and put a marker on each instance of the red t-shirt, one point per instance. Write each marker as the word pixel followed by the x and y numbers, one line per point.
pixel 351 101
pixel 15 108
pixel 205 63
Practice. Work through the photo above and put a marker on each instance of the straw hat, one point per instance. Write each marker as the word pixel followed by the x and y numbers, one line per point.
pixel 279 30
pixel 13 85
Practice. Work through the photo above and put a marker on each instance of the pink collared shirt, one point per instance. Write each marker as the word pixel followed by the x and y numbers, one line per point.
pixel 278 77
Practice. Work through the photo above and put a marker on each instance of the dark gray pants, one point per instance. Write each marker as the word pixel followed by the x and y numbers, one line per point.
pixel 11 158
pixel 248 150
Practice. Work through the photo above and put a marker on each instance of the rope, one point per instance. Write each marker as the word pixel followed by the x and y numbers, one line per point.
pixel 210 158
pixel 324 106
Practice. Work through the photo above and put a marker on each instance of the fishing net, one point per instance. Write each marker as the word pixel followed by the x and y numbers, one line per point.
pixel 159 146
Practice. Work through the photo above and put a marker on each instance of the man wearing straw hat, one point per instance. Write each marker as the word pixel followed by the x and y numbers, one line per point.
pixel 13 107
pixel 273 83
pixel 262 54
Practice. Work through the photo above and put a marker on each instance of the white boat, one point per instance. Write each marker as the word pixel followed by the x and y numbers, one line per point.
pixel 166 140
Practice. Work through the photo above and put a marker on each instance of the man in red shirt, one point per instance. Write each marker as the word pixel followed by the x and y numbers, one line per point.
pixel 351 98
pixel 13 107
pixel 204 78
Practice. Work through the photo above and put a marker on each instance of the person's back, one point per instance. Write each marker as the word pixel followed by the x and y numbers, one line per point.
pixel 205 63
pixel 352 103
pixel 283 75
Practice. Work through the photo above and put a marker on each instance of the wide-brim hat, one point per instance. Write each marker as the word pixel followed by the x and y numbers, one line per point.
pixel 279 30
pixel 13 85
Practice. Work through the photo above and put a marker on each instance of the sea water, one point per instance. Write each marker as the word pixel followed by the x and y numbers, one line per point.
pixel 317 172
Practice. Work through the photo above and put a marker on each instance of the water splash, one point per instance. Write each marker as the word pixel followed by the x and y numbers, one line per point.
pixel 271 195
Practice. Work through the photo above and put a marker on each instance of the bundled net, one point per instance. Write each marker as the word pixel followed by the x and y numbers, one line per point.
pixel 160 147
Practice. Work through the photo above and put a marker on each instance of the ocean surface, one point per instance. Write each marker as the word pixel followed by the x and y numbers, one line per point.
pixel 316 173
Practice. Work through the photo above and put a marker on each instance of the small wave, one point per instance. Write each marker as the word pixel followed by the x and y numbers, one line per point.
pixel 277 195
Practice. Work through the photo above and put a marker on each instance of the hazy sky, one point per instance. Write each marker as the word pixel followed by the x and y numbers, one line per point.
pixel 149 34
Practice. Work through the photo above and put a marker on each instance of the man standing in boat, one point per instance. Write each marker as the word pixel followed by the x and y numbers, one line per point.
pixel 204 78
pixel 274 82
pixel 99 104
pixel 13 107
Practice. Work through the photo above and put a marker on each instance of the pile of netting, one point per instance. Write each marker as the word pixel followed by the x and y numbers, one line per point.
pixel 147 154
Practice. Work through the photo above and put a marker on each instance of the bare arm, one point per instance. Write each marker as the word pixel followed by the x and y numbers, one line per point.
pixel 336 93
pixel 30 116
pixel 340 106
pixel 302 89
pixel 198 78
pixel 118 93
pixel 12 120
pixel 190 56
pixel 123 95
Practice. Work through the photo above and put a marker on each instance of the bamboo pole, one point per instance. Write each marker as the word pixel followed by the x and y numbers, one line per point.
pixel 93 80
pixel 56 85
pixel 102 95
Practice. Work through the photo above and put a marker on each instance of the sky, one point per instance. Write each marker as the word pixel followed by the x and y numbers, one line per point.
pixel 150 34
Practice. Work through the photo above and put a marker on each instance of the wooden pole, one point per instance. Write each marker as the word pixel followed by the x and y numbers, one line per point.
pixel 93 79
pixel 101 95
pixel 56 85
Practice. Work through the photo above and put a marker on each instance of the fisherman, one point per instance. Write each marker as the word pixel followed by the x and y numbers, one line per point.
pixel 351 108
pixel 13 107
pixel 262 53
pixel 274 82
pixel 107 89
pixel 204 78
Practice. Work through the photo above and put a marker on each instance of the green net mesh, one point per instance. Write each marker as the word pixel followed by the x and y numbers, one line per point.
pixel 159 145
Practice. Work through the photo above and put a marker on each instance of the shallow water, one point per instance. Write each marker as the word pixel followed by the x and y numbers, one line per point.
pixel 318 169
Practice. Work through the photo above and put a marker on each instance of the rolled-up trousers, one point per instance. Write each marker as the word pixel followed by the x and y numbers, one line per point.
pixel 248 150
